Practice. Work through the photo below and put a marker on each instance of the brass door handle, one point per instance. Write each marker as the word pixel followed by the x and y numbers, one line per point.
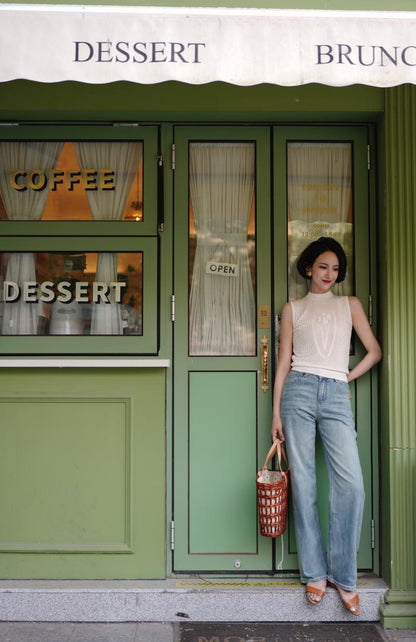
pixel 264 358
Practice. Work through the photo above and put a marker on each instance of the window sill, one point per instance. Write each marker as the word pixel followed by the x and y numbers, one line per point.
pixel 84 363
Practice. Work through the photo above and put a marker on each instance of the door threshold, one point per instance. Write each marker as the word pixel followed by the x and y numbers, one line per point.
pixel 178 599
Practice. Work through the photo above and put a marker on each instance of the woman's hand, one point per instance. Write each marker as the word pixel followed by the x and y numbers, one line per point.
pixel 277 429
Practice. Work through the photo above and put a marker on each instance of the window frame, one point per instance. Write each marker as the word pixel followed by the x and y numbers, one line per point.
pixel 93 236
pixel 93 133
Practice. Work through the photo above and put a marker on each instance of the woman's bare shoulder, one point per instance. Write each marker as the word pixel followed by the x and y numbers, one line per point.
pixel 287 310
pixel 355 303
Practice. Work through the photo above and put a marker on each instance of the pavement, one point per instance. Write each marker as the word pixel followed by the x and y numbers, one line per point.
pixel 201 632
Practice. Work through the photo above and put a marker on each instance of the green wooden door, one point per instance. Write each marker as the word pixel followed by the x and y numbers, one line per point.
pixel 322 179
pixel 232 276
pixel 222 277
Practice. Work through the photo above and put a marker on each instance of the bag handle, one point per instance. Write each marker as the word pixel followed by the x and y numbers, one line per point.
pixel 279 447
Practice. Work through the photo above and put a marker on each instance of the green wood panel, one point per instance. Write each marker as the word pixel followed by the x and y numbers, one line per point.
pixel 399 420
pixel 24 100
pixel 82 473
pixel 222 462
pixel 68 463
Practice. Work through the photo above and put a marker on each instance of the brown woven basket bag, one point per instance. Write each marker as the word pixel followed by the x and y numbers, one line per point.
pixel 272 493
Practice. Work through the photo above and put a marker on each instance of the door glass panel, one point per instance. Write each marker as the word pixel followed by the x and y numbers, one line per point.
pixel 320 203
pixel 222 248
pixel 65 181
pixel 71 293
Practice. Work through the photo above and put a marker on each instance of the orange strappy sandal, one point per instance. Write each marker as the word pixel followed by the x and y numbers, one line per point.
pixel 352 605
pixel 316 591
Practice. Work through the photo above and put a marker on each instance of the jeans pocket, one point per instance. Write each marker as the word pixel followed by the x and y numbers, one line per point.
pixel 293 378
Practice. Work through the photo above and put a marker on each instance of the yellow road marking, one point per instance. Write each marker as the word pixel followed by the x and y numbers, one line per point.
pixel 225 584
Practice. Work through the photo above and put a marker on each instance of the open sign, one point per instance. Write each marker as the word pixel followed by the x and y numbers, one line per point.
pixel 221 269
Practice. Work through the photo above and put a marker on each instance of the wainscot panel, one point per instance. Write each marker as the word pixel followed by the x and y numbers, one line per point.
pixel 83 458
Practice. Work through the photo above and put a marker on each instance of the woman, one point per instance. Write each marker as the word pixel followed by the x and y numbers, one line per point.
pixel 311 393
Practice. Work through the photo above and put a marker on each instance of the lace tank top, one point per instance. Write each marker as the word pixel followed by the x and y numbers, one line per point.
pixel 321 335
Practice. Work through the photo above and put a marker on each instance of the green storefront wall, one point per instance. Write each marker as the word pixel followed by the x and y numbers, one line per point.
pixel 398 399
pixel 393 113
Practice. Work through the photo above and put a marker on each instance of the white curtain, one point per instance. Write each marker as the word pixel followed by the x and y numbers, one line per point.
pixel 319 203
pixel 222 308
pixel 108 205
pixel 24 205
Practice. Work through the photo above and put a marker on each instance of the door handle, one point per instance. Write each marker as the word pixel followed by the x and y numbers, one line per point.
pixel 264 358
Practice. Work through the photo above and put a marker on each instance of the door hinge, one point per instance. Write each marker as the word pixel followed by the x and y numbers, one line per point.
pixel 172 536
pixel 368 157
pixel 172 302
pixel 160 195
pixel 373 534
pixel 173 156
pixel 370 309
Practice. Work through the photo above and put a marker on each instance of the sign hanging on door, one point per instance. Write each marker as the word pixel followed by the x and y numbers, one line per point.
pixel 221 269
pixel 196 45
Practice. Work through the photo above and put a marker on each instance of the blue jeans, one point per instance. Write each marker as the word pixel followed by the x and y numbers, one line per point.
pixel 309 403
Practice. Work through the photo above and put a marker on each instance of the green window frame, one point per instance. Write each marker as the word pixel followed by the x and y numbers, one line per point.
pixel 92 236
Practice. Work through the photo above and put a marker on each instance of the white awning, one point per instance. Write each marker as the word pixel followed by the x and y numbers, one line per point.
pixel 100 44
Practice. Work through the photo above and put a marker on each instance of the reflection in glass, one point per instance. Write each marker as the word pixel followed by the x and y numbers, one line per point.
pixel 71 293
pixel 221 248
pixel 80 181
pixel 320 203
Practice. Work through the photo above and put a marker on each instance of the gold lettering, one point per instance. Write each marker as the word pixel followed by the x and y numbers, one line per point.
pixel 31 180
pixel 324 187
pixel 72 178
pixel 56 178
pixel 89 179
pixel 13 180
pixel 37 180
pixel 107 179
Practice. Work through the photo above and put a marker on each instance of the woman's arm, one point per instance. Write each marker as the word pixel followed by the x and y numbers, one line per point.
pixel 367 338
pixel 283 368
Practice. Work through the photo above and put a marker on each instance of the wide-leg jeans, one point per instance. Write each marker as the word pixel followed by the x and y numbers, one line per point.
pixel 311 403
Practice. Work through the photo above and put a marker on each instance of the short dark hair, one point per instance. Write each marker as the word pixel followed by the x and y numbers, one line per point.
pixel 315 249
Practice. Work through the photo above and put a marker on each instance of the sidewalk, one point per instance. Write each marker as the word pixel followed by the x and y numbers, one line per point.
pixel 199 632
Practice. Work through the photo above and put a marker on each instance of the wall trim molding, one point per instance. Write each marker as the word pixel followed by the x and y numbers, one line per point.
pixel 398 609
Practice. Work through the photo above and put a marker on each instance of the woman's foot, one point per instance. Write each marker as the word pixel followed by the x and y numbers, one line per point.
pixel 350 600
pixel 315 592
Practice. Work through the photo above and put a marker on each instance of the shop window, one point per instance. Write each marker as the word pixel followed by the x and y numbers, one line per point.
pixel 222 248
pixel 320 203
pixel 84 296
pixel 72 293
pixel 79 247
pixel 71 181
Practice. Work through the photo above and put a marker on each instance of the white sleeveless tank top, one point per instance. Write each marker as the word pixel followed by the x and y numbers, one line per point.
pixel 322 328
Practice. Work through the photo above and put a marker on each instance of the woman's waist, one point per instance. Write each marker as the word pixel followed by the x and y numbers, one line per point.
pixel 326 373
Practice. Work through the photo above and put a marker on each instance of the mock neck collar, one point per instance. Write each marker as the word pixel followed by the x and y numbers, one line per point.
pixel 315 295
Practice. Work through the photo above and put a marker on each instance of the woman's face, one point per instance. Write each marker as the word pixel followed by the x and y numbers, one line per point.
pixel 324 272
